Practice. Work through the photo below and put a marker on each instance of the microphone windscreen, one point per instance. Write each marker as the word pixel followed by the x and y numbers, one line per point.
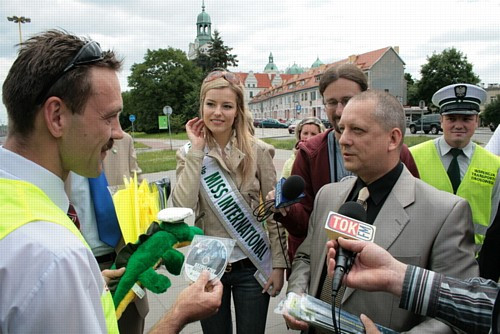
pixel 293 187
pixel 353 210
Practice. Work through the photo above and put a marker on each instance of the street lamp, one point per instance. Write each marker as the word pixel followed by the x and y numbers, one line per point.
pixel 19 20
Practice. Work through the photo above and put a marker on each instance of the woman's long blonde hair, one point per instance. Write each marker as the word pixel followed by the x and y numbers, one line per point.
pixel 242 126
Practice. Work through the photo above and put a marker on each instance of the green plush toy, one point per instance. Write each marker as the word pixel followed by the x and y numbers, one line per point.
pixel 143 257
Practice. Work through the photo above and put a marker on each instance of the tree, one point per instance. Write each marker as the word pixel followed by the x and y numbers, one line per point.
pixel 166 77
pixel 491 114
pixel 446 68
pixel 412 89
pixel 218 55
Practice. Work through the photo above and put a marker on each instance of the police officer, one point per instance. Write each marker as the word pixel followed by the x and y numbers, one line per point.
pixel 455 164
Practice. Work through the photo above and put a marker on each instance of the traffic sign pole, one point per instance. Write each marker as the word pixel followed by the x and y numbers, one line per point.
pixel 167 110
pixel 131 118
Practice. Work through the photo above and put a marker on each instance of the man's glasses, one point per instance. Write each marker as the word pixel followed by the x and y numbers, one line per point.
pixel 230 77
pixel 90 53
pixel 333 104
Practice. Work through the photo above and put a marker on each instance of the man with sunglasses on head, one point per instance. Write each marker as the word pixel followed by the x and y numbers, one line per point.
pixel 319 160
pixel 63 100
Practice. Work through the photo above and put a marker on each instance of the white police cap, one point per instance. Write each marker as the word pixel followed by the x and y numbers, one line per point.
pixel 459 99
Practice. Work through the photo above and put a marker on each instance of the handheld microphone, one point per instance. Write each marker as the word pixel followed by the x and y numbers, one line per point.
pixel 348 223
pixel 288 191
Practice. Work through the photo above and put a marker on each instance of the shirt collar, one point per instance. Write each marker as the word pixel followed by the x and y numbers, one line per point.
pixel 380 188
pixel 444 148
pixel 229 145
pixel 15 167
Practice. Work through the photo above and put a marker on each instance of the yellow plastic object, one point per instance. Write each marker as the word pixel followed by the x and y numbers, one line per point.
pixel 137 206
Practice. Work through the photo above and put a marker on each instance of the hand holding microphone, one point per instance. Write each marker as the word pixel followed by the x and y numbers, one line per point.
pixel 288 191
pixel 347 223
pixel 374 268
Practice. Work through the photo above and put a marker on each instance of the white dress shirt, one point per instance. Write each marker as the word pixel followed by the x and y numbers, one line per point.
pixel 79 195
pixel 50 281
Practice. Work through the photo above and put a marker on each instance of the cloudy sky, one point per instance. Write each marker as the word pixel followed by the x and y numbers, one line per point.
pixel 295 31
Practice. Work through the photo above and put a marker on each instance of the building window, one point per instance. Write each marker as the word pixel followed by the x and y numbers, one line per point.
pixel 251 94
pixel 313 95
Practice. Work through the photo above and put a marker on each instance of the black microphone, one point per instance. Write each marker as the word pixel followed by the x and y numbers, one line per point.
pixel 344 258
pixel 288 191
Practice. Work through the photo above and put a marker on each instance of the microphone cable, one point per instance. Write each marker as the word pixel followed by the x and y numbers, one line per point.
pixel 264 210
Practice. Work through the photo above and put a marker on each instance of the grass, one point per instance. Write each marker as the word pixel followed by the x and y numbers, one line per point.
pixel 156 161
pixel 414 140
pixel 163 160
pixel 140 145
pixel 161 135
pixel 288 144
pixel 281 144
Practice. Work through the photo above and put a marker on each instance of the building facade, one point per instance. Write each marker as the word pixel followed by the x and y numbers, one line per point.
pixel 298 96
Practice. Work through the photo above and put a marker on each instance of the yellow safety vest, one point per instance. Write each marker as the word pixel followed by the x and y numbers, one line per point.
pixel 476 186
pixel 21 203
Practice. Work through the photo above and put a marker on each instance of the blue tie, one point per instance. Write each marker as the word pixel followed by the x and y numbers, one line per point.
pixel 105 215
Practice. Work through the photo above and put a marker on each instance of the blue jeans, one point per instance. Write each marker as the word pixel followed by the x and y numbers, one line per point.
pixel 250 305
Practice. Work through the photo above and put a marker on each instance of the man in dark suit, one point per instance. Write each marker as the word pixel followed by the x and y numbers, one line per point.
pixel 416 223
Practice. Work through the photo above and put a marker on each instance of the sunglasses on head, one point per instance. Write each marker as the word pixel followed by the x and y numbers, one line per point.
pixel 311 120
pixel 230 77
pixel 90 53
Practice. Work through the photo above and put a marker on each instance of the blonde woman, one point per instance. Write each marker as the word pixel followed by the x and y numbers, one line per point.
pixel 307 128
pixel 221 174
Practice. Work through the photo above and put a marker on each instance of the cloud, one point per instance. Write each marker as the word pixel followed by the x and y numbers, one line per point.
pixel 295 32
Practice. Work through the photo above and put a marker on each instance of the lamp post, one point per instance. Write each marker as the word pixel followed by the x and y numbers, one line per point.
pixel 19 20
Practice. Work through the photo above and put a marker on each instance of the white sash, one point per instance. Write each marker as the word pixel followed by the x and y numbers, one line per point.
pixel 236 216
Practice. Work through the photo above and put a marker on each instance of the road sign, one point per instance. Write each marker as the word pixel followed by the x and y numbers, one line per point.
pixel 131 118
pixel 167 110
pixel 298 107
pixel 162 122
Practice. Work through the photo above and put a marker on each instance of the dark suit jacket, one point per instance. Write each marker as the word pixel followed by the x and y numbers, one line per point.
pixel 417 224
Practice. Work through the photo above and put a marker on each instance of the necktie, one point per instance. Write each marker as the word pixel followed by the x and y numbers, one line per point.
pixel 105 215
pixel 326 291
pixel 363 197
pixel 73 216
pixel 454 169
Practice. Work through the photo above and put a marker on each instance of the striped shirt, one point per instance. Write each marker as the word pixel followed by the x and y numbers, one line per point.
pixel 466 305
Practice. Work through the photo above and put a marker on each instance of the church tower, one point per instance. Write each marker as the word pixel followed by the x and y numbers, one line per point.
pixel 271 66
pixel 203 34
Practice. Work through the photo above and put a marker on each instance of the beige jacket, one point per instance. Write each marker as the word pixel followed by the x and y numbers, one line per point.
pixel 187 193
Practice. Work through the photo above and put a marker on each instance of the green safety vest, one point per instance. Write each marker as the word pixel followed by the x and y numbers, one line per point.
pixel 476 186
pixel 21 203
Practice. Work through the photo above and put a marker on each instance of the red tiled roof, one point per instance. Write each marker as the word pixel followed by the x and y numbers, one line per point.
pixel 243 76
pixel 364 61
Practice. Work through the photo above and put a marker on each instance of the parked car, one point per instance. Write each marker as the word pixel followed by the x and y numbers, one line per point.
pixel 326 123
pixel 293 125
pixel 272 123
pixel 430 123
pixel 257 121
